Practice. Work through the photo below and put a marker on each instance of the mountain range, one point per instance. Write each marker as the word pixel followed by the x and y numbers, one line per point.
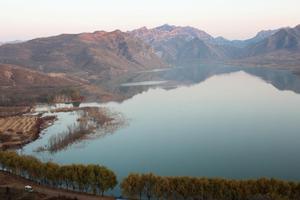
pixel 243 43
pixel 174 43
pixel 110 53
pixel 99 58
pixel 183 45
pixel 106 53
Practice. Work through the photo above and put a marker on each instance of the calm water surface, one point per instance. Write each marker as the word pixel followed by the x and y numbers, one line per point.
pixel 232 125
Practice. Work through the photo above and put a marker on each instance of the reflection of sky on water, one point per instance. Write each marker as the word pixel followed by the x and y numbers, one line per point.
pixel 232 125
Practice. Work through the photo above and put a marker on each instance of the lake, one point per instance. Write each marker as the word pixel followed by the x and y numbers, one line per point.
pixel 227 123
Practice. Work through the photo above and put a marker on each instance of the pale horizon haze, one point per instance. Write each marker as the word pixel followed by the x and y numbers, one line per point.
pixel 232 19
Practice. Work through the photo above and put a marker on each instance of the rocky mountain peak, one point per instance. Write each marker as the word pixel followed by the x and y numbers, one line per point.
pixel 166 27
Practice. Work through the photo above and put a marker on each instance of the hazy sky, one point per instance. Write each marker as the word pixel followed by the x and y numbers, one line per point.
pixel 233 19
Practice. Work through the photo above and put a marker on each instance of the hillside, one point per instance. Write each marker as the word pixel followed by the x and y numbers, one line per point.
pixel 167 32
pixel 102 56
pixel 182 45
pixel 285 39
pixel 243 43
pixel 173 43
pixel 197 50
pixel 178 45
pixel 19 85
pixel 281 49
pixel 106 53
pixel 12 76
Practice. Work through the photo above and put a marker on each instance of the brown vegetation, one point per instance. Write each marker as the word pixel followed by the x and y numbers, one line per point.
pixel 19 130
pixel 21 86
pixel 61 141
pixel 93 122
pixel 100 116
pixel 65 109
pixel 150 186
pixel 107 53
pixel 24 87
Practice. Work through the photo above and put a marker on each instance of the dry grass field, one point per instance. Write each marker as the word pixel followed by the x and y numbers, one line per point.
pixel 18 130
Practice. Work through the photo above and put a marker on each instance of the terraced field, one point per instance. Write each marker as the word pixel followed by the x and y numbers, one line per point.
pixel 18 130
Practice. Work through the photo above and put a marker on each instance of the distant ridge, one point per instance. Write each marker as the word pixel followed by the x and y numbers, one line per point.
pixel 183 45
pixel 243 43
pixel 170 41
pixel 107 53
pixel 282 49
pixel 97 62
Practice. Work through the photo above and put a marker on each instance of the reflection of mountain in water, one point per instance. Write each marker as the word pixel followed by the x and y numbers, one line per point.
pixel 173 77
pixel 282 80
